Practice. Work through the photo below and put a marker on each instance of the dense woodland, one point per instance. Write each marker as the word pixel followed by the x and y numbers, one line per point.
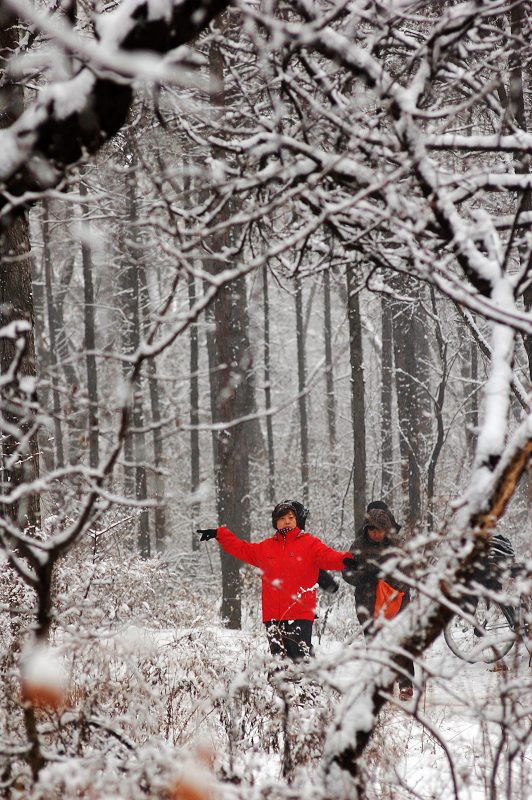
pixel 250 252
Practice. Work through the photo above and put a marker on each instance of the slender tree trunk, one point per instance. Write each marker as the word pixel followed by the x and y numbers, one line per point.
pixel 387 472
pixel 470 372
pixel 64 358
pixel 90 336
pixel 358 407
pixel 268 386
pixel 194 412
pixel 135 454
pixel 330 403
pixel 59 457
pixel 438 413
pixel 302 388
pixel 158 446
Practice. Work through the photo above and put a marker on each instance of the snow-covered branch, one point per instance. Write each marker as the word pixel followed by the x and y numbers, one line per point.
pixel 77 116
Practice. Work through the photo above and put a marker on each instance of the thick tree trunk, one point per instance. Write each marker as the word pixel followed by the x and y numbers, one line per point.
pixel 517 99
pixel 517 107
pixel 231 394
pixel 407 407
pixel 20 453
pixel 358 406
pixel 413 402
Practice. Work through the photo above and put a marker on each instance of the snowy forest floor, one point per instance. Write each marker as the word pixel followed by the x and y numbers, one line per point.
pixel 156 683
pixel 446 743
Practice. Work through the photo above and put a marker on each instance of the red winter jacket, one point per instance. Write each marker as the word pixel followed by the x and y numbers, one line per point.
pixel 289 566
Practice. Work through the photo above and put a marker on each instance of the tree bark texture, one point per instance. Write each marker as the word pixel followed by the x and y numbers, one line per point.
pixel 20 454
pixel 90 337
pixel 387 466
pixel 131 332
pixel 268 386
pixel 231 398
pixel 155 403
pixel 302 388
pixel 59 456
pixel 411 359
pixel 330 403
pixel 518 110
pixel 358 401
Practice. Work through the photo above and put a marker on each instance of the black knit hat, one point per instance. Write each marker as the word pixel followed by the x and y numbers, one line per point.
pixel 281 509
pixel 301 513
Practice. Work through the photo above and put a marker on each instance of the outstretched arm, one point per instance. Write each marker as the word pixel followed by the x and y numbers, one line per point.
pixel 250 552
pixel 327 558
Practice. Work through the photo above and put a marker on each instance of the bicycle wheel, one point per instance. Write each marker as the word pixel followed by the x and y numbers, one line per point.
pixel 488 639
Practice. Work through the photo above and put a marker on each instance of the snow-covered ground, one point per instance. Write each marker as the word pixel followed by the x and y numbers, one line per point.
pixel 450 741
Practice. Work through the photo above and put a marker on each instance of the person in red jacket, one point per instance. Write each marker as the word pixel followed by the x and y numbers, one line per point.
pixel 290 562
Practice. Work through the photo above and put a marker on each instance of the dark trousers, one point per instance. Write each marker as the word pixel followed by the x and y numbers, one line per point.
pixel 290 639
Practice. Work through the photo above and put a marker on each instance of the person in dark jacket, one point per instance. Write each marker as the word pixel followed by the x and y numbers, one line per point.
pixel 378 538
pixel 290 562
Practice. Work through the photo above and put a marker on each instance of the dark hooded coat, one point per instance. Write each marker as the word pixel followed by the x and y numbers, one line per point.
pixel 370 557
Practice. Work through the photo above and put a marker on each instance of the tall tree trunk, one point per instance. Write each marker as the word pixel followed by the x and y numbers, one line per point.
pixel 438 414
pixel 231 397
pixel 90 335
pixel 517 100
pixel 470 373
pixel 405 364
pixel 415 430
pixel 158 446
pixel 130 285
pixel 358 407
pixel 194 411
pixel 64 358
pixel 517 106
pixel 330 403
pixel 302 388
pixel 20 453
pixel 268 386
pixel 387 471
pixel 59 457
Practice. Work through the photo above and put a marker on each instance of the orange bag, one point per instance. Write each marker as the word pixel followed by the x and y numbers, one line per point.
pixel 387 600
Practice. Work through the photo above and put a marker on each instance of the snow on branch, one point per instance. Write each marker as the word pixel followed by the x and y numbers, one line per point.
pixel 77 116
pixel 422 622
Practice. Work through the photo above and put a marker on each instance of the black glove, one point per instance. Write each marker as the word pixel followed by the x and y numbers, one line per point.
pixel 350 563
pixel 207 533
